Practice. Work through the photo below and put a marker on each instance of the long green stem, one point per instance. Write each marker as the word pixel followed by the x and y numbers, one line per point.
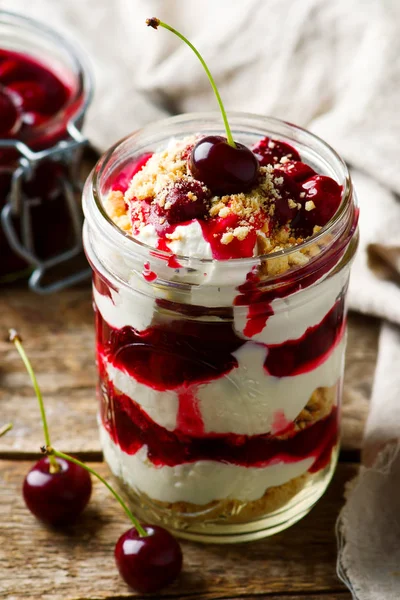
pixel 52 452
pixel 14 337
pixel 5 429
pixel 155 23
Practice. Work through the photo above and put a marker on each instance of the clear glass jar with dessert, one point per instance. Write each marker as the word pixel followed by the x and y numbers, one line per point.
pixel 45 90
pixel 221 325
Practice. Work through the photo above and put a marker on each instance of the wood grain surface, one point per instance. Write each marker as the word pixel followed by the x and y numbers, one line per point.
pixel 37 562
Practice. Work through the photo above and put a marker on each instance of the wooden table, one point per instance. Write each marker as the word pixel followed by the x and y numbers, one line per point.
pixel 37 563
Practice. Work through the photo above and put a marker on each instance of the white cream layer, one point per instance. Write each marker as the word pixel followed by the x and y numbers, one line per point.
pixel 216 286
pixel 245 402
pixel 294 314
pixel 199 482
pixel 125 309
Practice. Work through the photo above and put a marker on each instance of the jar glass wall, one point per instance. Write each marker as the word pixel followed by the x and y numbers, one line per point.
pixel 220 381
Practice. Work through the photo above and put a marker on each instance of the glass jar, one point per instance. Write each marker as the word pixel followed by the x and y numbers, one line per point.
pixel 220 381
pixel 45 89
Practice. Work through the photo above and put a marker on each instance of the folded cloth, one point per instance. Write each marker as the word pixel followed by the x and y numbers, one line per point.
pixel 368 526
pixel 332 66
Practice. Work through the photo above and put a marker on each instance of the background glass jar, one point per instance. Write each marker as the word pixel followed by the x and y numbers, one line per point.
pixel 220 381
pixel 45 90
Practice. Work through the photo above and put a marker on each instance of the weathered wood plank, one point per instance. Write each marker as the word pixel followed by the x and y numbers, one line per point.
pixel 338 595
pixel 59 337
pixel 36 562
pixel 361 353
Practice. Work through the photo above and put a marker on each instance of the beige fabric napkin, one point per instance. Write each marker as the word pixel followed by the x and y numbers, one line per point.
pixel 332 66
pixel 368 527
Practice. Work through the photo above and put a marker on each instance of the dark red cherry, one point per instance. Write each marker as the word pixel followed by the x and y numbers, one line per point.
pixel 148 563
pixel 289 190
pixel 34 118
pixel 326 195
pixel 297 170
pixel 9 114
pixel 8 70
pixel 31 95
pixel 185 201
pixel 223 168
pixel 57 498
pixel 270 152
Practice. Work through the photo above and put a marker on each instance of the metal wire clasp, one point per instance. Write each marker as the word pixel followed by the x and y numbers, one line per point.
pixel 18 205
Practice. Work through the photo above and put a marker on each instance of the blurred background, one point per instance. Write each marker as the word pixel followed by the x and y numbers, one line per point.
pixel 332 66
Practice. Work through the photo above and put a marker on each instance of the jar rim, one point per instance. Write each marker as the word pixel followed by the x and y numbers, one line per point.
pixel 80 62
pixel 119 236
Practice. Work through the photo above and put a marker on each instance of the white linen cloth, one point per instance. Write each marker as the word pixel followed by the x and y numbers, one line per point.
pixel 332 66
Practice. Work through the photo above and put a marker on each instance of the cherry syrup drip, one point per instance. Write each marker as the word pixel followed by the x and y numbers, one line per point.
pixel 259 301
pixel 147 273
pixel 131 428
pixel 214 229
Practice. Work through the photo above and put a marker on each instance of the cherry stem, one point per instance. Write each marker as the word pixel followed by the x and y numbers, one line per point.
pixel 155 23
pixel 14 337
pixel 5 429
pixel 51 452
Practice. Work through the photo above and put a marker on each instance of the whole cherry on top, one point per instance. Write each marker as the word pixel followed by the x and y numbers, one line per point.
pixel 225 166
pixel 57 489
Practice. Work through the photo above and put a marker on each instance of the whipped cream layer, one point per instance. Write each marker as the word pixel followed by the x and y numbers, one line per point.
pixel 200 482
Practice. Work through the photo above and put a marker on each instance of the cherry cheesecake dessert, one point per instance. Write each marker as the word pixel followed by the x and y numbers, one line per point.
pixel 220 323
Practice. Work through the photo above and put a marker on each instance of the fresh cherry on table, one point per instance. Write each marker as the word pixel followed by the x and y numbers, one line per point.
pixel 57 489
pixel 224 168
pixel 57 498
pixel 148 563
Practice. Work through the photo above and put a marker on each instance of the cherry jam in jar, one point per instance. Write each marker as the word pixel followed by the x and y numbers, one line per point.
pixel 45 90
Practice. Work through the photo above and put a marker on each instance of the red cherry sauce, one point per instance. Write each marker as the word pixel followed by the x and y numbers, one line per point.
pixel 147 273
pixel 31 95
pixel 123 178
